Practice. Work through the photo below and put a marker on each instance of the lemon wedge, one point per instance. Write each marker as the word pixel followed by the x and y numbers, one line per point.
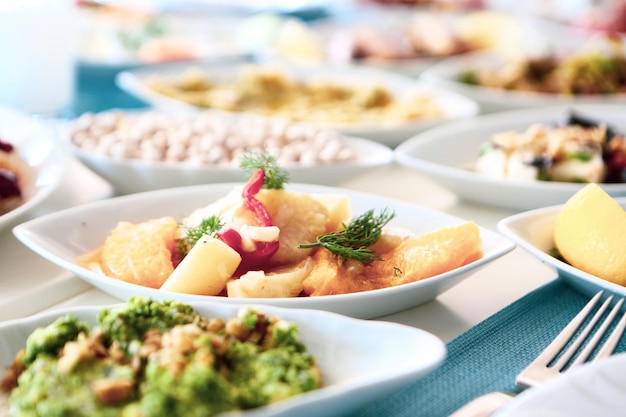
pixel 590 234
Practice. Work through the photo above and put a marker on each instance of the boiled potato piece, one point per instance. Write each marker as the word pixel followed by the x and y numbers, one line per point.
pixel 205 270
pixel 339 210
pixel 300 218
pixel 286 282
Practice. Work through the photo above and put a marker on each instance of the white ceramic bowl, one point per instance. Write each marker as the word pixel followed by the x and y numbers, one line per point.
pixel 454 105
pixel 446 154
pixel 534 231
pixel 135 175
pixel 45 158
pixel 355 370
pixel 63 236
pixel 445 74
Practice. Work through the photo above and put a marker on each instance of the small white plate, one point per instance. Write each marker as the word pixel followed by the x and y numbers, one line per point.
pixel 135 175
pixel 45 159
pixel 534 231
pixel 64 236
pixel 446 73
pixel 453 105
pixel 355 370
pixel 594 389
pixel 448 152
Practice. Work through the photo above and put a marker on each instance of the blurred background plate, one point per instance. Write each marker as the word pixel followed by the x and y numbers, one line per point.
pixel 451 105
pixel 45 160
pixel 124 36
pixel 448 153
pixel 402 38
pixel 447 74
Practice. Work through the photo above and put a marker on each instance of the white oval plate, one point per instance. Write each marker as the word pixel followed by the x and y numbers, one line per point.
pixel 594 389
pixel 63 236
pixel 534 231
pixel 43 155
pixel 355 370
pixel 454 105
pixel 133 175
pixel 446 73
pixel 446 154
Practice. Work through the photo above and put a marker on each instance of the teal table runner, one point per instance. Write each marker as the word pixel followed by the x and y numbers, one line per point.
pixel 488 356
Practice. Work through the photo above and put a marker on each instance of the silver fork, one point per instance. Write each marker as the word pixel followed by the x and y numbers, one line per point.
pixel 562 354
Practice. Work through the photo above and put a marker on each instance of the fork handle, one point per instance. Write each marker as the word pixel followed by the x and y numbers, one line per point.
pixel 484 406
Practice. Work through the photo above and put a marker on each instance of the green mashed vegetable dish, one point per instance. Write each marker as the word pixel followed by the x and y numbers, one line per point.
pixel 158 358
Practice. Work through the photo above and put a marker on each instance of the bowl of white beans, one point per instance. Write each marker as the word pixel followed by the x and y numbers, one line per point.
pixel 153 149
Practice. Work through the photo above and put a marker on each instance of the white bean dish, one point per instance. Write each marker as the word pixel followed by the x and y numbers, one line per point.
pixel 153 149
pixel 204 138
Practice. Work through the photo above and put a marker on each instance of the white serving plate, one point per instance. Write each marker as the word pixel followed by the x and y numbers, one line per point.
pixel 534 231
pixel 355 370
pixel 44 156
pixel 594 389
pixel 133 175
pixel 447 152
pixel 454 105
pixel 445 74
pixel 63 236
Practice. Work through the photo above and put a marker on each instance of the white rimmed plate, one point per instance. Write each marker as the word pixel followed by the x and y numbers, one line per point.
pixel 453 105
pixel 135 175
pixel 533 230
pixel 355 370
pixel 594 389
pixel 45 159
pixel 447 153
pixel 446 73
pixel 63 236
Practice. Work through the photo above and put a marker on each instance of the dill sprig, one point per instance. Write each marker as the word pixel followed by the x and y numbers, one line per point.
pixel 275 176
pixel 354 240
pixel 208 226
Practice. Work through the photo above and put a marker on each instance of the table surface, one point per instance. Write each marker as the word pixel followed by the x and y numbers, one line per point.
pixel 30 284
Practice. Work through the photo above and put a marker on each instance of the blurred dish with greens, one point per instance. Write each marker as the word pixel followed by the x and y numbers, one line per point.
pixel 595 72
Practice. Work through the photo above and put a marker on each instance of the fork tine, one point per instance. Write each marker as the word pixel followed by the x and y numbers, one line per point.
pixel 573 348
pixel 539 370
pixel 567 333
pixel 614 338
pixel 597 337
